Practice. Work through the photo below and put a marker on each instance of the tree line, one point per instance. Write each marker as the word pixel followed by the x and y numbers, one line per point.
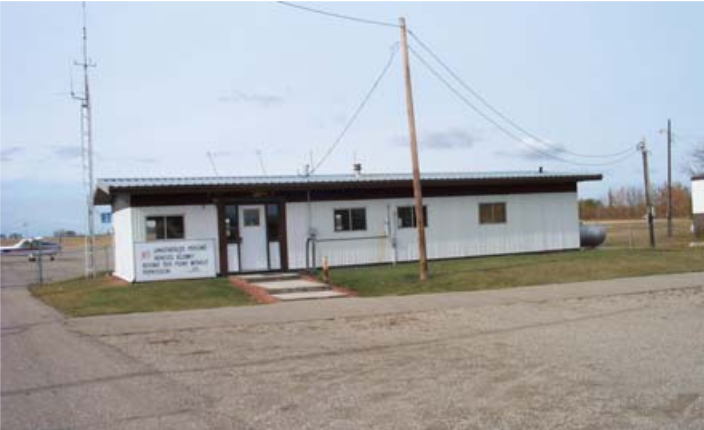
pixel 628 202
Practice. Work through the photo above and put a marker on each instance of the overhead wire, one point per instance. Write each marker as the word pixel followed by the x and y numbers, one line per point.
pixel 617 156
pixel 504 129
pixel 358 111
pixel 339 16
pixel 496 111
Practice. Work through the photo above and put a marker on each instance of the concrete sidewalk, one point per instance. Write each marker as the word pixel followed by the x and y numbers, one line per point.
pixel 359 307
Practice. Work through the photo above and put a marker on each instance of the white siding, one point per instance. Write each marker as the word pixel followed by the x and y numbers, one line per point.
pixel 200 222
pixel 698 196
pixel 122 226
pixel 535 222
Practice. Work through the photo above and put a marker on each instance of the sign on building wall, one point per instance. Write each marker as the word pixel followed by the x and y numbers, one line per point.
pixel 174 259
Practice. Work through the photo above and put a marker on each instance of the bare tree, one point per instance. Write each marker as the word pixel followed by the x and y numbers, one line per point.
pixel 696 164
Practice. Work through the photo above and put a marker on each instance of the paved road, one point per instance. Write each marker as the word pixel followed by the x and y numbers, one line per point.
pixel 54 378
pixel 622 354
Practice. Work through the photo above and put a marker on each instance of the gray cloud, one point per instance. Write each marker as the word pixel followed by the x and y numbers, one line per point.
pixel 8 154
pixel 146 160
pixel 453 138
pixel 66 152
pixel 261 100
pixel 449 139
pixel 533 150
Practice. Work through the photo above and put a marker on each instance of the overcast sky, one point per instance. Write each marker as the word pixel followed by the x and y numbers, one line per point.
pixel 176 80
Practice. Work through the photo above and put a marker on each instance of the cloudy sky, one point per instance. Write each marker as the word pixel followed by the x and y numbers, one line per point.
pixel 175 81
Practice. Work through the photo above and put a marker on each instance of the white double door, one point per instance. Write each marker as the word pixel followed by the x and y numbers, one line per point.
pixel 253 243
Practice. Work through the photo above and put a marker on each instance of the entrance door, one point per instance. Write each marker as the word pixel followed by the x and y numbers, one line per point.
pixel 253 244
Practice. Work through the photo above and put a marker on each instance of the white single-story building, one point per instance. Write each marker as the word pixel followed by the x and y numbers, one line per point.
pixel 167 228
pixel 698 205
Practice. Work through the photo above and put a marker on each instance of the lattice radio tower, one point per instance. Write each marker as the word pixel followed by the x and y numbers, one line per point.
pixel 87 152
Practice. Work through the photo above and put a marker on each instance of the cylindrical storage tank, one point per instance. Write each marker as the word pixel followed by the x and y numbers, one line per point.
pixel 591 236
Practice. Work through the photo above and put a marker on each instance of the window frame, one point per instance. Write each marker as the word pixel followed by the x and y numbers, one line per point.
pixel 350 219
pixel 493 218
pixel 165 227
pixel 414 224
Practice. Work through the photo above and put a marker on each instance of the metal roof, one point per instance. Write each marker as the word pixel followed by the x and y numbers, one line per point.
pixel 108 184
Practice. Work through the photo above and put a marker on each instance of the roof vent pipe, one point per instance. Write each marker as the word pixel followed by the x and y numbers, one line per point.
pixel 357 169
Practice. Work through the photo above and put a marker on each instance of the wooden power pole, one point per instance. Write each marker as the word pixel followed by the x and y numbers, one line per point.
pixel 648 201
pixel 417 192
pixel 669 178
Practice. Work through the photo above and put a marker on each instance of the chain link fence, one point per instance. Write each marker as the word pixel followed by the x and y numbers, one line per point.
pixel 634 234
pixel 19 271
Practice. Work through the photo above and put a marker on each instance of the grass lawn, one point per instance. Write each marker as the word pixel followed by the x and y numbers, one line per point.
pixel 510 271
pixel 104 295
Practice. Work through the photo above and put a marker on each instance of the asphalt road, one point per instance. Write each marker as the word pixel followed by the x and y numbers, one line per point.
pixel 601 355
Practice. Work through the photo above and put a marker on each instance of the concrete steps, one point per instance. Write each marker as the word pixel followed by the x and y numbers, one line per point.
pixel 310 295
pixel 291 286
pixel 267 277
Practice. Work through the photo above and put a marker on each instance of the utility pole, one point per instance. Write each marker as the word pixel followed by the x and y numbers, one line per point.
pixel 669 178
pixel 417 192
pixel 87 153
pixel 648 201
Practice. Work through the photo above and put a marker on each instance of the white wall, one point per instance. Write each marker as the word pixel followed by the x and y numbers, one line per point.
pixel 535 222
pixel 200 222
pixel 698 196
pixel 124 250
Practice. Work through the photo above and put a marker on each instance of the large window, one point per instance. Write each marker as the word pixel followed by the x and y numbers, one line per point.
pixel 407 216
pixel 350 219
pixel 165 227
pixel 492 213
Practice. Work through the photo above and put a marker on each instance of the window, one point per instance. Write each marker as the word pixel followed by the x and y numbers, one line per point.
pixel 165 227
pixel 232 232
pixel 272 222
pixel 406 216
pixel 350 219
pixel 250 217
pixel 492 213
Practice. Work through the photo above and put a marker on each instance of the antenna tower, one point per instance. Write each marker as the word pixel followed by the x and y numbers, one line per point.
pixel 87 152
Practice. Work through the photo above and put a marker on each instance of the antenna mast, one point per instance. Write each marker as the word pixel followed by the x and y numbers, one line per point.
pixel 87 152
pixel 212 163
pixel 261 162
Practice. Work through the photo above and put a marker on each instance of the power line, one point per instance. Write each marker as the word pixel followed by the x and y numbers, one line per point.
pixel 479 97
pixel 506 131
pixel 339 16
pixel 353 118
pixel 621 155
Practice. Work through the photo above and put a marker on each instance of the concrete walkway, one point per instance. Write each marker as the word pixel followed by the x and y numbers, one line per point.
pixel 358 307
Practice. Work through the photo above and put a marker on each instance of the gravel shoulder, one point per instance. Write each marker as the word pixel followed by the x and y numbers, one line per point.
pixel 608 355
pixel 605 355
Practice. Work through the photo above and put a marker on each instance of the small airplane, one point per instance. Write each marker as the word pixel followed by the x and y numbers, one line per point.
pixel 32 248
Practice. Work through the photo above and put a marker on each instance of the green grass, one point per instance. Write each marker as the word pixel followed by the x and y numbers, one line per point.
pixel 518 270
pixel 101 296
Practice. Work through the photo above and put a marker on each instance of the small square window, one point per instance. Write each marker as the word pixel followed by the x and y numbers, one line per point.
pixel 165 227
pixel 250 217
pixel 492 213
pixel 350 219
pixel 406 216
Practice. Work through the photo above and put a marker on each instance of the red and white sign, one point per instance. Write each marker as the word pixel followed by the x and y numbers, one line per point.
pixel 174 259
